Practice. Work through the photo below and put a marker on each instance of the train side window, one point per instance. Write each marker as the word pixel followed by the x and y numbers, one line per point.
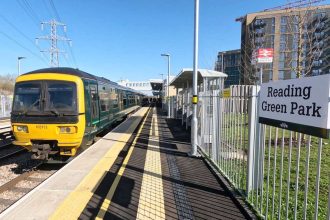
pixel 104 101
pixel 124 101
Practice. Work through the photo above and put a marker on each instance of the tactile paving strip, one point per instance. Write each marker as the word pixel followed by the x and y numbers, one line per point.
pixel 151 203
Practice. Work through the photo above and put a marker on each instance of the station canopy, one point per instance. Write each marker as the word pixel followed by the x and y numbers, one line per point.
pixel 186 75
pixel 156 86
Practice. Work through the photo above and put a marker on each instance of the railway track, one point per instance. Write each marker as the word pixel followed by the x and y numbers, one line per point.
pixel 6 135
pixel 16 188
pixel 9 150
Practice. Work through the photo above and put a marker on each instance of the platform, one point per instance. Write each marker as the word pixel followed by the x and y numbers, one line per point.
pixel 5 129
pixel 134 172
pixel 5 125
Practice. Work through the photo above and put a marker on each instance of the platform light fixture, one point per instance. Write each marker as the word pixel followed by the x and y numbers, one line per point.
pixel 19 64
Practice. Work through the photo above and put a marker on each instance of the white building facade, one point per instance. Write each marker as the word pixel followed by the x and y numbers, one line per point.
pixel 142 86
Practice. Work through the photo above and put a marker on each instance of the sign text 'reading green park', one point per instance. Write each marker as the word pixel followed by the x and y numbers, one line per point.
pixel 299 104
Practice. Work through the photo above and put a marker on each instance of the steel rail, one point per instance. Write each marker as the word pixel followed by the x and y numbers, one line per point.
pixel 19 151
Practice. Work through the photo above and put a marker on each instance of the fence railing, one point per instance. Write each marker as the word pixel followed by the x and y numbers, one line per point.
pixel 5 105
pixel 281 173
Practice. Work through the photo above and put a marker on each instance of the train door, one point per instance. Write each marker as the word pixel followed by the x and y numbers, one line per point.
pixel 125 101
pixel 94 107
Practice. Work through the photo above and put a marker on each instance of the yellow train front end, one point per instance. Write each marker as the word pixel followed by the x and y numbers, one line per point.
pixel 48 115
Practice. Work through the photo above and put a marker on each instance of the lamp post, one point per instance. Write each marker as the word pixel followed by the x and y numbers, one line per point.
pixel 168 82
pixel 19 64
pixel 162 91
pixel 195 96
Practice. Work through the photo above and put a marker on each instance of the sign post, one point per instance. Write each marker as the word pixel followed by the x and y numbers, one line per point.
pixel 263 55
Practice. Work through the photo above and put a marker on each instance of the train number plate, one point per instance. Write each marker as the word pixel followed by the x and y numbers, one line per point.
pixel 41 127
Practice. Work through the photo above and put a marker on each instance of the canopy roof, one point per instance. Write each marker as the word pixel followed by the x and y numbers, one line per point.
pixel 156 86
pixel 186 75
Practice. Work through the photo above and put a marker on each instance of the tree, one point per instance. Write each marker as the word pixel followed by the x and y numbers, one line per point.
pixel 7 83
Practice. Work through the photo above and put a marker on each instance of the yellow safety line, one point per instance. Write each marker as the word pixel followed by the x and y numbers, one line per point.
pixel 77 200
pixel 151 201
pixel 107 201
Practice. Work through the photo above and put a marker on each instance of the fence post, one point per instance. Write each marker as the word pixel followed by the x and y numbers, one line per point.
pixel 253 137
pixel 215 116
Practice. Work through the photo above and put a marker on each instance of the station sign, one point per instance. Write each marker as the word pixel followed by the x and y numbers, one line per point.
pixel 300 105
pixel 226 93
pixel 265 55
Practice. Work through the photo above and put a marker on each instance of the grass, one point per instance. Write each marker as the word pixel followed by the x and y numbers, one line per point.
pixel 236 170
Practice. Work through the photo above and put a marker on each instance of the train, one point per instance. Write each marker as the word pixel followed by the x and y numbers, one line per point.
pixel 57 112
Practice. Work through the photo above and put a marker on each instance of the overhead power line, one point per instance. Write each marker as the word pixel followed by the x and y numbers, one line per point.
pixel 51 2
pixel 19 44
pixel 24 35
pixel 29 11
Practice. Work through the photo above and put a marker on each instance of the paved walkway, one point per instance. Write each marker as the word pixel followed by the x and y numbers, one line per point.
pixel 155 179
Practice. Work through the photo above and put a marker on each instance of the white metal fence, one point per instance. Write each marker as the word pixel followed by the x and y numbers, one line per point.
pixel 281 173
pixel 5 105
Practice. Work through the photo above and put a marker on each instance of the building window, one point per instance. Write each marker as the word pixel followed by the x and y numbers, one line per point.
pixel 294 56
pixel 270 75
pixel 294 64
pixel 280 75
pixel 282 47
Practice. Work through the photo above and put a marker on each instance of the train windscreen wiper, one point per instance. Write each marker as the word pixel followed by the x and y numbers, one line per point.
pixel 68 114
pixel 54 111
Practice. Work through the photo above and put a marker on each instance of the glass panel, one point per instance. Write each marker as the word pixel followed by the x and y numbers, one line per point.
pixel 62 96
pixel 280 75
pixel 27 97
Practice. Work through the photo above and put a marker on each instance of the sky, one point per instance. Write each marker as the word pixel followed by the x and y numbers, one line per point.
pixel 121 39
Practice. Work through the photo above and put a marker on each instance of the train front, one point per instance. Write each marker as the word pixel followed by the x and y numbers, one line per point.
pixel 48 115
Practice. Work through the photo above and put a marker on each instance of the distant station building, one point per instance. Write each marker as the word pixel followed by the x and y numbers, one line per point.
pixel 300 38
pixel 229 62
pixel 152 87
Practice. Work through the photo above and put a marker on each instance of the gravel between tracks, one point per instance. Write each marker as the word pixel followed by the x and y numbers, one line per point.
pixel 13 167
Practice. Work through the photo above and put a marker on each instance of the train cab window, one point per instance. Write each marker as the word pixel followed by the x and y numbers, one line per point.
pixel 61 96
pixel 27 97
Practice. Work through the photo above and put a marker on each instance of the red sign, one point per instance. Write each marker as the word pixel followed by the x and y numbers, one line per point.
pixel 265 55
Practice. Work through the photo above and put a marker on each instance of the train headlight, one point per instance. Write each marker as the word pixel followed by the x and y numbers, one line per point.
pixel 68 129
pixel 22 128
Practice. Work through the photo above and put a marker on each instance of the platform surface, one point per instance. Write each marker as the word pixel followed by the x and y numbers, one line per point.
pixel 133 173
pixel 5 125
